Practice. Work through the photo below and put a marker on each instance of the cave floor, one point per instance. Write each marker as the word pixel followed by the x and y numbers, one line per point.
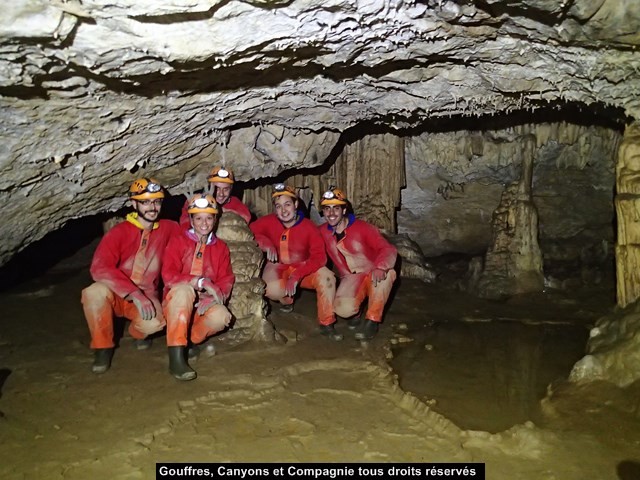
pixel 448 379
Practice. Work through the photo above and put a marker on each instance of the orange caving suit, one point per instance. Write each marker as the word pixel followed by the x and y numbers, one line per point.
pixel 301 256
pixel 112 269
pixel 180 266
pixel 234 205
pixel 360 251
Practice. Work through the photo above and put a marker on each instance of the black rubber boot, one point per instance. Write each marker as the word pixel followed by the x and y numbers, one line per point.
pixel 368 331
pixel 102 360
pixel 331 332
pixel 178 366
pixel 354 322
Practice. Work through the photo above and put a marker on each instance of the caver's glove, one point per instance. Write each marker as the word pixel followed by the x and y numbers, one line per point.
pixel 290 287
pixel 143 304
pixel 378 275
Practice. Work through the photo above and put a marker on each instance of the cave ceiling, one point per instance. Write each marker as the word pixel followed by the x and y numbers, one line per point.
pixel 93 94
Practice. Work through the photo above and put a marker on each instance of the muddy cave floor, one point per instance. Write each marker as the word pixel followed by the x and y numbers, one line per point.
pixel 450 378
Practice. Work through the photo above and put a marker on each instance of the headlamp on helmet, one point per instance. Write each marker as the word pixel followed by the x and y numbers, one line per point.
pixel 221 175
pixel 202 203
pixel 282 189
pixel 333 197
pixel 145 189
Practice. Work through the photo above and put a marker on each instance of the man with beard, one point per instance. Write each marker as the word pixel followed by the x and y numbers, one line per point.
pixel 295 257
pixel 221 180
pixel 364 260
pixel 126 270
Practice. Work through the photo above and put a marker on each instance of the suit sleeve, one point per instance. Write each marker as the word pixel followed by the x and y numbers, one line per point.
pixel 386 253
pixel 226 278
pixel 172 264
pixel 185 222
pixel 317 254
pixel 260 229
pixel 105 265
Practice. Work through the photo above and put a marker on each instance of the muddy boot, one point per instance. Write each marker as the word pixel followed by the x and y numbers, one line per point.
pixel 330 332
pixel 368 330
pixel 102 360
pixel 286 308
pixel 178 366
pixel 142 344
pixel 354 322
pixel 193 352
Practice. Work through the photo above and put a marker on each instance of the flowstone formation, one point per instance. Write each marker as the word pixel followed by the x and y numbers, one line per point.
pixel 93 94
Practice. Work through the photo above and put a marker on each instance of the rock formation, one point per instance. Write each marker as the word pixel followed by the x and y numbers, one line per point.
pixel 93 95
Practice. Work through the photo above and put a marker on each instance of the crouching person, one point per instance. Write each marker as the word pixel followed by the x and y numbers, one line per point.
pixel 197 273
pixel 364 260
pixel 126 271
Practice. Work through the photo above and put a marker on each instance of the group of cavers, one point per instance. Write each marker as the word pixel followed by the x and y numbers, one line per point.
pixel 143 252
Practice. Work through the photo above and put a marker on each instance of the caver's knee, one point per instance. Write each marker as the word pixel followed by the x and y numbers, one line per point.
pixel 182 293
pixel 217 318
pixel 150 326
pixel 345 307
pixel 96 292
pixel 326 278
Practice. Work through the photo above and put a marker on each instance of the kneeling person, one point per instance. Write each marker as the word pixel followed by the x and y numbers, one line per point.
pixel 126 271
pixel 197 272
pixel 364 260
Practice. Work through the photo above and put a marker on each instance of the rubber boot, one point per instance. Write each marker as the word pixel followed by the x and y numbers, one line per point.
pixel 331 332
pixel 368 330
pixel 143 344
pixel 178 366
pixel 102 360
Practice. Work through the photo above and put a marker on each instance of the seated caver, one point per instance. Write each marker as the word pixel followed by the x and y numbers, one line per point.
pixel 222 180
pixel 295 257
pixel 197 274
pixel 126 271
pixel 364 260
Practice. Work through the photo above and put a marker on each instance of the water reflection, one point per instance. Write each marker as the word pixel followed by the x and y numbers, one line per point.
pixel 487 375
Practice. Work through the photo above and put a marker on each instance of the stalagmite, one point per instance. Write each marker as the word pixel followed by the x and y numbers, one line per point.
pixel 247 303
pixel 513 263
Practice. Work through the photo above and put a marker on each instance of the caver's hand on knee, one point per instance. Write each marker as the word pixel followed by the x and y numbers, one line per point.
pixel 378 275
pixel 143 304
pixel 290 287
pixel 213 290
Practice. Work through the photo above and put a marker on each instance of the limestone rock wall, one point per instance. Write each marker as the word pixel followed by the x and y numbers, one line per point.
pixel 93 95
pixel 628 217
pixel 455 181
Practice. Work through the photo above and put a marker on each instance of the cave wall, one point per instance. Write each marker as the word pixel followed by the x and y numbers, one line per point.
pixel 455 181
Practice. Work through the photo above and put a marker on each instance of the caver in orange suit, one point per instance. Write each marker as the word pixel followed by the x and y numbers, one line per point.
pixel 364 260
pixel 182 267
pixel 301 260
pixel 222 180
pixel 126 269
pixel 197 274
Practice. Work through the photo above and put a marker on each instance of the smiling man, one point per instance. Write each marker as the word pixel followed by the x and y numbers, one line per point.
pixel 295 258
pixel 126 271
pixel 221 180
pixel 364 261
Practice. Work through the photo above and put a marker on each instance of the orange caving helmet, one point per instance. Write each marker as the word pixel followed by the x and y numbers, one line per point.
pixel 202 203
pixel 222 175
pixel 334 196
pixel 145 189
pixel 282 189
